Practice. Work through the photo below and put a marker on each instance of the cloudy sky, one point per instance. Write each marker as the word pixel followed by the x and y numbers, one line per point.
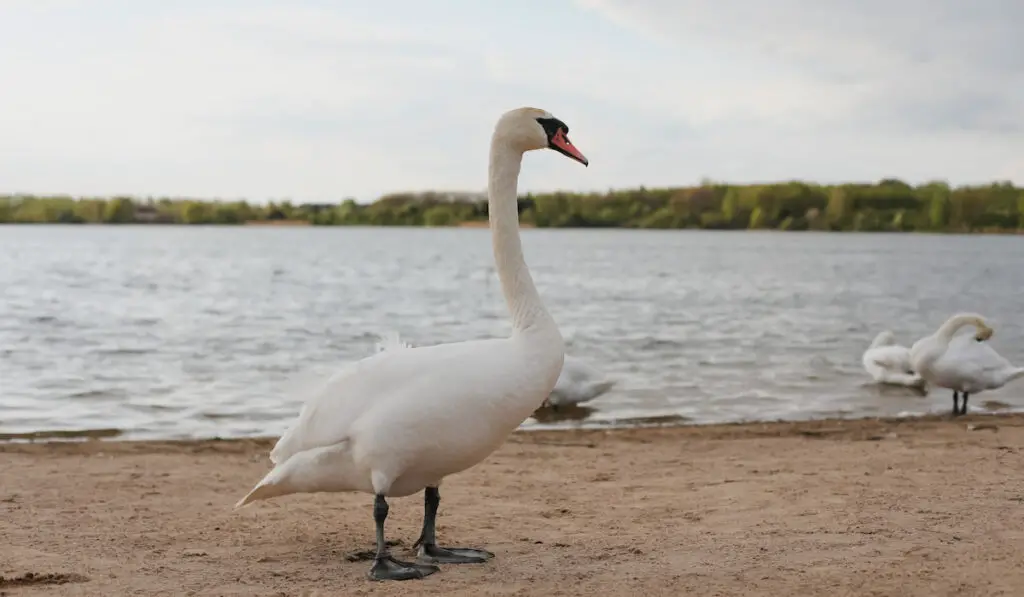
pixel 319 100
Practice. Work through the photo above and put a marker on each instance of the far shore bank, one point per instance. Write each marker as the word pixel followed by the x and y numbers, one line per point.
pixel 889 204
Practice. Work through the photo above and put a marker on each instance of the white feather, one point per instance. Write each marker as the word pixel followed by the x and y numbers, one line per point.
pixel 972 366
pixel 889 363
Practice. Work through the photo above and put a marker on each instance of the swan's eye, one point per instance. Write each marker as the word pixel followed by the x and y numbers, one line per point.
pixel 551 126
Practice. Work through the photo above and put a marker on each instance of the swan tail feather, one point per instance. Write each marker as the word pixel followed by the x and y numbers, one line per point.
pixel 272 485
pixel 260 492
pixel 328 468
pixel 1018 373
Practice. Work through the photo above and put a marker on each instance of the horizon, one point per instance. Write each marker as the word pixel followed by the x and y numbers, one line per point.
pixel 316 103
pixel 482 194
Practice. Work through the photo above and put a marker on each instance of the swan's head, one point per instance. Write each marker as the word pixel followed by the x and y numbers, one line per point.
pixel 984 333
pixel 526 129
pixel 954 323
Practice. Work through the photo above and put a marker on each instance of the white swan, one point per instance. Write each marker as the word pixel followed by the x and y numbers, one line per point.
pixel 578 383
pixel 889 363
pixel 965 364
pixel 403 419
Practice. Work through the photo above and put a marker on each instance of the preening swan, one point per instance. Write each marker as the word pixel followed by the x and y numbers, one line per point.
pixel 403 419
pixel 889 363
pixel 965 364
pixel 578 383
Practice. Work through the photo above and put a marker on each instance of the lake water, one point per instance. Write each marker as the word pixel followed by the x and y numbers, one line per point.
pixel 166 332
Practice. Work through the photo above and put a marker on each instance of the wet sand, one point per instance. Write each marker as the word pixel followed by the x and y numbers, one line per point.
pixel 913 507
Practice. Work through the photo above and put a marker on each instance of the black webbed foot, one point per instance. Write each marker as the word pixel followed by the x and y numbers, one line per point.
pixel 433 554
pixel 388 568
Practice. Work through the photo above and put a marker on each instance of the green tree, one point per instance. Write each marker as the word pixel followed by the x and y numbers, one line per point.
pixel 837 211
pixel 889 204
pixel 119 210
pixel 193 212
pixel 757 219
pixel 437 216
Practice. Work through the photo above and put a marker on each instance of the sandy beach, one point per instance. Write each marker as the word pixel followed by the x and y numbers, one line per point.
pixel 927 507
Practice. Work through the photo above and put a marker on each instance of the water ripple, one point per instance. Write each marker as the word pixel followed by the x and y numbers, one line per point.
pixel 196 332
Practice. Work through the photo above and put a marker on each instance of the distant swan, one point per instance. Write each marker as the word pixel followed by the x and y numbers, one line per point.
pixel 578 383
pixel 965 364
pixel 889 363
pixel 403 419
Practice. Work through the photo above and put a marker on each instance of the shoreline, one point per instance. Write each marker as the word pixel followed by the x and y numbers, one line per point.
pixel 478 224
pixel 668 423
pixel 907 507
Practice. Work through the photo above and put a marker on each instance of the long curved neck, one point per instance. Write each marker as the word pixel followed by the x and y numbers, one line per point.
pixel 954 323
pixel 882 339
pixel 524 304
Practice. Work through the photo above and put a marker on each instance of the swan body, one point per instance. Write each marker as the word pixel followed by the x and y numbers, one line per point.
pixel 965 364
pixel 889 363
pixel 578 383
pixel 433 421
pixel 401 420
pixel 971 366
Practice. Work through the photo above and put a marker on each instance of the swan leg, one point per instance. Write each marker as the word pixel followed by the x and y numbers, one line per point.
pixel 963 405
pixel 429 551
pixel 956 403
pixel 384 566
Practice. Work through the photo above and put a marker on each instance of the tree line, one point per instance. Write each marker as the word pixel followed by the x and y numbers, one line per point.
pixel 889 205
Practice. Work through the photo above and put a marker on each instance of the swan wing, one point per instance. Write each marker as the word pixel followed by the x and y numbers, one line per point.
pixel 430 382
pixel 891 365
pixel 967 360
pixel 331 389
pixel 892 358
pixel 328 397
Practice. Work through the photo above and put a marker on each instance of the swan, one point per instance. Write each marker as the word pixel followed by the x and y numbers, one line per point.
pixel 889 363
pixel 965 364
pixel 578 383
pixel 401 420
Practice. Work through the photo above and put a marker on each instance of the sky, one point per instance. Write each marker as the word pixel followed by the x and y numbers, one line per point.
pixel 322 100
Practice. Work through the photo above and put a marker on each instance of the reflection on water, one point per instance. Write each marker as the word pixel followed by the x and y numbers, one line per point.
pixel 184 332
